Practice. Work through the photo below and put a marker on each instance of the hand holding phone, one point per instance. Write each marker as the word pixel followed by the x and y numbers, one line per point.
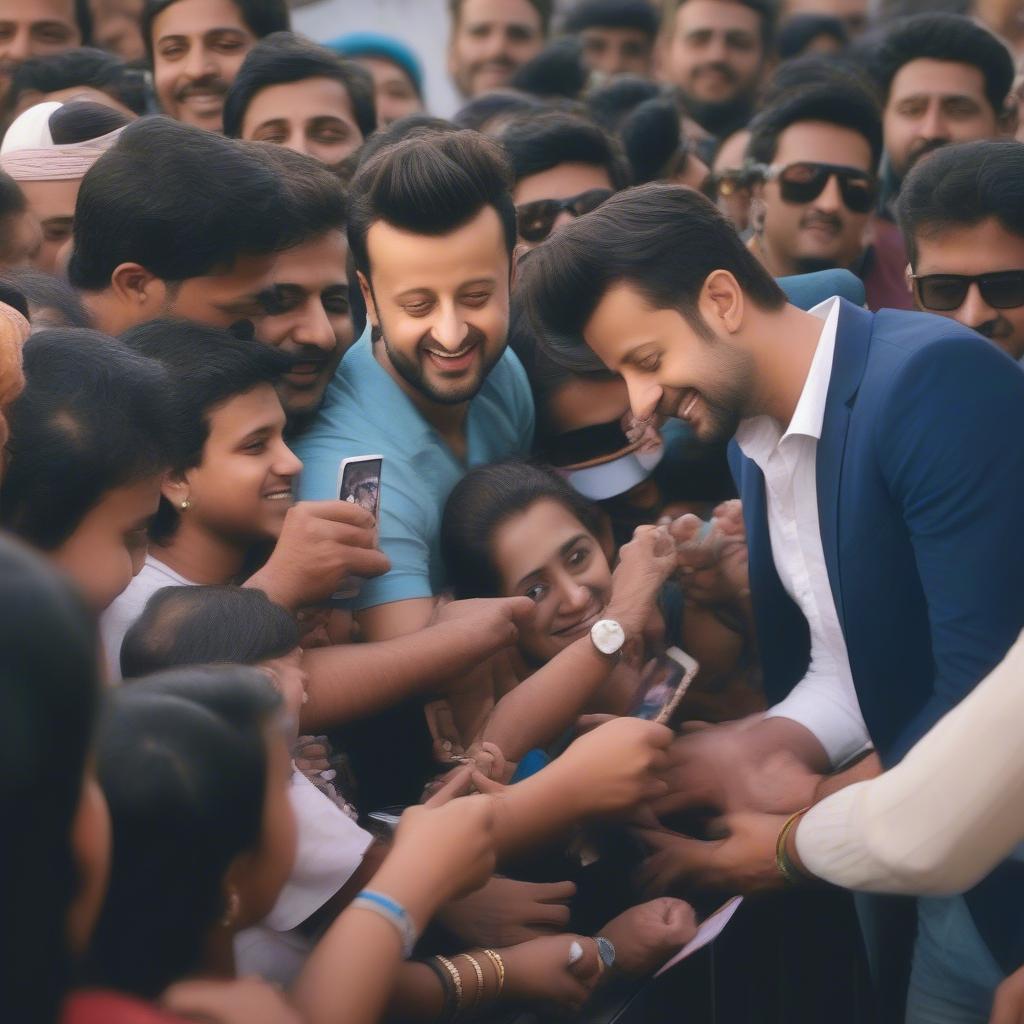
pixel 359 484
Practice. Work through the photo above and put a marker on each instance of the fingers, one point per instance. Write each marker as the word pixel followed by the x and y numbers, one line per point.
pixel 335 511
pixel 521 609
pixel 553 892
pixel 482 784
pixel 366 562
pixel 551 916
pixel 459 783
pixel 587 723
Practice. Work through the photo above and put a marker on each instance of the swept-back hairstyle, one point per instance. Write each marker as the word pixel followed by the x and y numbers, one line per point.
pixel 537 143
pixel 180 201
pixel 182 760
pixel 947 37
pixel 663 240
pixel 638 14
pixel 206 625
pixel 49 691
pixel 94 416
pixel 84 66
pixel 285 57
pixel 481 501
pixel 430 184
pixel 316 196
pixel 960 186
pixel 207 366
pixel 262 17
pixel 840 102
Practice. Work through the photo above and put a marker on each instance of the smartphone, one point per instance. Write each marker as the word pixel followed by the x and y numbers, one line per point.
pixel 665 685
pixel 359 483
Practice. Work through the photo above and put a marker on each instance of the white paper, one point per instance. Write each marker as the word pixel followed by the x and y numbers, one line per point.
pixel 709 930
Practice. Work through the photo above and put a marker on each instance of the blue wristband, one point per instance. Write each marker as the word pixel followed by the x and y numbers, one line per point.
pixel 392 911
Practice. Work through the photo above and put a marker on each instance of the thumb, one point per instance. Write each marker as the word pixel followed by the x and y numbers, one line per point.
pixel 521 610
pixel 489 787
pixel 587 967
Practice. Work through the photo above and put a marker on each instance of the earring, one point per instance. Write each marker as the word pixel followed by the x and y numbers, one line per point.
pixel 185 505
pixel 231 913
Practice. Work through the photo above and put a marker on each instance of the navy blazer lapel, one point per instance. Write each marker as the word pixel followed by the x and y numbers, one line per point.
pixel 853 339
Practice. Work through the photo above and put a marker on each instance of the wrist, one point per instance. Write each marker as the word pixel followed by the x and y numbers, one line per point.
pixel 791 871
pixel 267 580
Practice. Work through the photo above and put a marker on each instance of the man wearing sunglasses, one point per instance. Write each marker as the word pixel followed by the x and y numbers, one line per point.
pixel 563 167
pixel 814 154
pixel 962 215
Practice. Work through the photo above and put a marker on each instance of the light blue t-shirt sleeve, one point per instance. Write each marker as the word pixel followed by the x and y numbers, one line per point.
pixel 517 388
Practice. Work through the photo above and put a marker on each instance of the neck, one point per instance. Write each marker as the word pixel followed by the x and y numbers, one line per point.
pixel 105 312
pixel 773 262
pixel 783 344
pixel 448 420
pixel 201 556
pixel 219 961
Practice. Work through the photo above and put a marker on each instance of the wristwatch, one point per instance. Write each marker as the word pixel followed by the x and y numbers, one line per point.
pixel 607 636
pixel 606 951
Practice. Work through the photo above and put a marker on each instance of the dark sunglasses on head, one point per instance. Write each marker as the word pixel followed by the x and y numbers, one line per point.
pixel 727 183
pixel 804 181
pixel 535 220
pixel 945 292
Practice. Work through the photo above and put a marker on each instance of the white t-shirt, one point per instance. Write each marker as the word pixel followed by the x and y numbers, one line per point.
pixel 330 844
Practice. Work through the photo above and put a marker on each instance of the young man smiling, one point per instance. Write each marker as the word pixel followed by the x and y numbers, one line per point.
pixel 434 391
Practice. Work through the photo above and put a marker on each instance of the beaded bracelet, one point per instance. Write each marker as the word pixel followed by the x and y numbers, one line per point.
pixel 478 971
pixel 450 1007
pixel 499 967
pixel 453 973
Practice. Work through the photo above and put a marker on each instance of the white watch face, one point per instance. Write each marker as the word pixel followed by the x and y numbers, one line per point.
pixel 608 636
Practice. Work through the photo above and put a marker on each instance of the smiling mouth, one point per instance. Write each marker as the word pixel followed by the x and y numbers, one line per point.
pixel 282 494
pixel 687 404
pixel 453 362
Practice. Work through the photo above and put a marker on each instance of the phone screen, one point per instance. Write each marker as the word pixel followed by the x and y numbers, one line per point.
pixel 664 685
pixel 360 483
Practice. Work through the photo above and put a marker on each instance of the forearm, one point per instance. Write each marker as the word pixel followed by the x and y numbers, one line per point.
pixel 534 813
pixel 544 705
pixel 352 681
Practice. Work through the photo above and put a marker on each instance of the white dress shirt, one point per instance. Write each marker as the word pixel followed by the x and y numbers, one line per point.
pixel 825 700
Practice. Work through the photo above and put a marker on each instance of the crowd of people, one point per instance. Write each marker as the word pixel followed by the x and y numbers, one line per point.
pixel 439 554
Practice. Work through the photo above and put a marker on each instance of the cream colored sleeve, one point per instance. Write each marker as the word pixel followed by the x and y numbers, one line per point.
pixel 946 815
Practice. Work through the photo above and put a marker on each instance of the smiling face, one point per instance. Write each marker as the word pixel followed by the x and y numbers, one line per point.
pixel 490 41
pixel 242 489
pixel 669 367
pixel 34 28
pixel 546 554
pixel 617 51
pixel 198 47
pixel 313 117
pixel 310 318
pixel 440 304
pixel 932 103
pixel 823 233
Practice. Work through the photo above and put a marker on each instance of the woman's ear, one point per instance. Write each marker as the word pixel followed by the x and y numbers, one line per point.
pixel 175 488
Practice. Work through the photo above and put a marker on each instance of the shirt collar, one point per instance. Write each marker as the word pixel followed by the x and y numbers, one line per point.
pixel 809 414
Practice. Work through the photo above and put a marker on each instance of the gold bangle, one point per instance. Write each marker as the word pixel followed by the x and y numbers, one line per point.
pixel 456 978
pixel 783 862
pixel 499 967
pixel 478 971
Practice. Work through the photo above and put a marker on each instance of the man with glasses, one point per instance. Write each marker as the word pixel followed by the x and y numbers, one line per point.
pixel 563 167
pixel 962 215
pixel 814 154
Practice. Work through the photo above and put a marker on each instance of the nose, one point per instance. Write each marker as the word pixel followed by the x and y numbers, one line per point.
pixel 975 311
pixel 199 62
pixel 831 198
pixel 717 49
pixel 565 217
pixel 286 463
pixel 315 329
pixel 644 396
pixel 933 125
pixel 573 597
pixel 496 44
pixel 450 330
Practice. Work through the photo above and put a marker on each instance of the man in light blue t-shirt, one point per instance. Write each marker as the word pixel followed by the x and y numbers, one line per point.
pixel 430 386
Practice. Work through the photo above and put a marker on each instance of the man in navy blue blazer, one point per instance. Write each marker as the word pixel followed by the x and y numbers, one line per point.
pixel 880 462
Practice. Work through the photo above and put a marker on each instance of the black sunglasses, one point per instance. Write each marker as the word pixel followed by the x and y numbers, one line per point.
pixel 535 220
pixel 804 181
pixel 945 292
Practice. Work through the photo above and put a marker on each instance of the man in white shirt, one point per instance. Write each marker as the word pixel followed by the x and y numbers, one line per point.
pixel 878 460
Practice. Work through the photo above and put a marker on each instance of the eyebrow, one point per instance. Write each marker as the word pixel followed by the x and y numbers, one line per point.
pixel 562 551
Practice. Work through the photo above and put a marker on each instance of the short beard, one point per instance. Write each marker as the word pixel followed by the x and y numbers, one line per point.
pixel 731 401
pixel 814 264
pixel 723 117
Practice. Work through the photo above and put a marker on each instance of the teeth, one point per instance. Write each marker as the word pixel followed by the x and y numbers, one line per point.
pixel 689 406
pixel 279 495
pixel 449 355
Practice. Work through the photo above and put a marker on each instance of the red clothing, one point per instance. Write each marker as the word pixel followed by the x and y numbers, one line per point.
pixel 884 269
pixel 102 1007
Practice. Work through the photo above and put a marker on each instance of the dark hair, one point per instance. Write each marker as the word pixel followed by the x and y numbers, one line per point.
pixel 47 292
pixel 557 71
pixel 262 17
pixel 947 37
pixel 83 120
pixel 838 103
pixel 544 8
pixel 207 366
pixel 178 200
pixel 412 125
pixel 93 417
pixel 317 198
pixel 206 625
pixel 84 66
pixel 611 103
pixel 798 32
pixel 484 499
pixel 638 14
pixel 537 143
pixel 430 184
pixel 182 760
pixel 652 136
pixel 663 240
pixel 49 690
pixel 766 10
pixel 960 186
pixel 283 58
pixel 480 111
pixel 12 204
pixel 814 71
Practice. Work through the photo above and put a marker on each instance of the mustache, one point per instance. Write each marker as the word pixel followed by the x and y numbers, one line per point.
pixel 826 220
pixel 716 65
pixel 926 147
pixel 997 328
pixel 206 84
